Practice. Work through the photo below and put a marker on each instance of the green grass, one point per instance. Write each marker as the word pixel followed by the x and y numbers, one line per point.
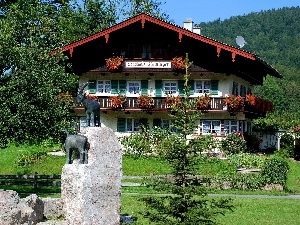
pixel 293 181
pixel 134 166
pixel 247 211
pixel 144 166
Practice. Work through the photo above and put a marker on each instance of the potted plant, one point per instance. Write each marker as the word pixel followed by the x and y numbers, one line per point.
pixel 117 101
pixel 145 102
pixel 203 103
pixel 172 100
pixel 114 63
pixel 178 63
pixel 234 103
pixel 92 97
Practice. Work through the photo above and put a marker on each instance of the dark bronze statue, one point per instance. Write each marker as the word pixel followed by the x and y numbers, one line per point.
pixel 78 143
pixel 92 107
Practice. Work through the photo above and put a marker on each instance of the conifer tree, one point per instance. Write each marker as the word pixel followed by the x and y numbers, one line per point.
pixel 186 201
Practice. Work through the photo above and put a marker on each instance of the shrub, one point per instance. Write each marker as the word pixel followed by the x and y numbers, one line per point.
pixel 136 144
pixel 29 158
pixel 246 160
pixel 275 170
pixel 145 142
pixel 285 152
pixel 233 143
pixel 204 143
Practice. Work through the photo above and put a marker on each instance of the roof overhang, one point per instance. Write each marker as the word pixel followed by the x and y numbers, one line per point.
pixel 219 57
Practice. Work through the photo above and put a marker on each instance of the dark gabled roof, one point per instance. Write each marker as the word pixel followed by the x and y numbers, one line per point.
pixel 263 68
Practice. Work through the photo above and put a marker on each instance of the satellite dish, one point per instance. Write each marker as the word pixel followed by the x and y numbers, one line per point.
pixel 240 41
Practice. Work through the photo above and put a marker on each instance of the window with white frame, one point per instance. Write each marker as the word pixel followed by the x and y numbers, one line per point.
pixel 170 87
pixel 132 125
pixel 202 86
pixel 211 127
pixel 103 86
pixel 133 87
pixel 230 126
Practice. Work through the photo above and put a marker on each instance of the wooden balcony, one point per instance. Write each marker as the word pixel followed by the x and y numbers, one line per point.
pixel 217 106
pixel 159 104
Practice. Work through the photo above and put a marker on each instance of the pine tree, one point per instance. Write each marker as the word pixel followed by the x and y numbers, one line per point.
pixel 186 201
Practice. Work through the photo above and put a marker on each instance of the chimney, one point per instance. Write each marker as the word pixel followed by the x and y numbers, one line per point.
pixel 189 25
pixel 197 30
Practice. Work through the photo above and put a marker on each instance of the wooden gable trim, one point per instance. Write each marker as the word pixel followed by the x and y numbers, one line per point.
pixel 181 31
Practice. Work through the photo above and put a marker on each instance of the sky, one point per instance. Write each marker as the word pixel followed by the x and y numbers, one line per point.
pixel 210 10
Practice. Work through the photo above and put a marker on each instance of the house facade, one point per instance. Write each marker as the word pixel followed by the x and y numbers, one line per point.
pixel 143 56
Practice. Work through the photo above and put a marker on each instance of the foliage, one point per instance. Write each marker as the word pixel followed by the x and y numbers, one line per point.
pixel 272 35
pixel 146 142
pixel 30 158
pixel 234 143
pixel 136 144
pixel 173 101
pixel 145 102
pixel 182 206
pixel 203 102
pixel 179 63
pixel 114 63
pixel 246 160
pixel 29 107
pixel 118 101
pixel 238 181
pixel 204 143
pixel 234 103
pixel 134 7
pixel 275 171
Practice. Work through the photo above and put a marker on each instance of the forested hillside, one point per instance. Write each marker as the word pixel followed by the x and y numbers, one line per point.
pixel 273 35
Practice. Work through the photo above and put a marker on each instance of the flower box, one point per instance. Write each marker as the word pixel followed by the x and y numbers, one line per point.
pixel 117 102
pixel 145 102
pixel 173 101
pixel 179 64
pixel 114 64
pixel 203 103
pixel 234 103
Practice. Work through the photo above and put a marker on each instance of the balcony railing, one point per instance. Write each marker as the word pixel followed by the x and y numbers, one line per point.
pixel 159 103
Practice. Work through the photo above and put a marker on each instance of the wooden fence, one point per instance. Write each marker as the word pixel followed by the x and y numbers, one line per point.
pixel 40 181
pixel 34 181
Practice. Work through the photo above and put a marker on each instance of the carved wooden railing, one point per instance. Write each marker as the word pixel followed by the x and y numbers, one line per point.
pixel 159 103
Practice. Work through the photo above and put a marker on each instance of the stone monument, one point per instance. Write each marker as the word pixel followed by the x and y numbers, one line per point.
pixel 91 192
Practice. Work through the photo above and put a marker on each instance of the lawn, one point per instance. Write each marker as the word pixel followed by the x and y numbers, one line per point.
pixel 247 210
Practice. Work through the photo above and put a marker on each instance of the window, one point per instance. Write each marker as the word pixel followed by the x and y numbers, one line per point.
pixel 146 52
pixel 170 87
pixel 211 127
pixel 243 91
pixel 165 123
pixel 132 125
pixel 235 88
pixel 103 86
pixel 202 86
pixel 133 87
pixel 230 126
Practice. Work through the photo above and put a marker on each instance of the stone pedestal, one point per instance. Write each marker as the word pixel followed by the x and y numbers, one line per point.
pixel 92 192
